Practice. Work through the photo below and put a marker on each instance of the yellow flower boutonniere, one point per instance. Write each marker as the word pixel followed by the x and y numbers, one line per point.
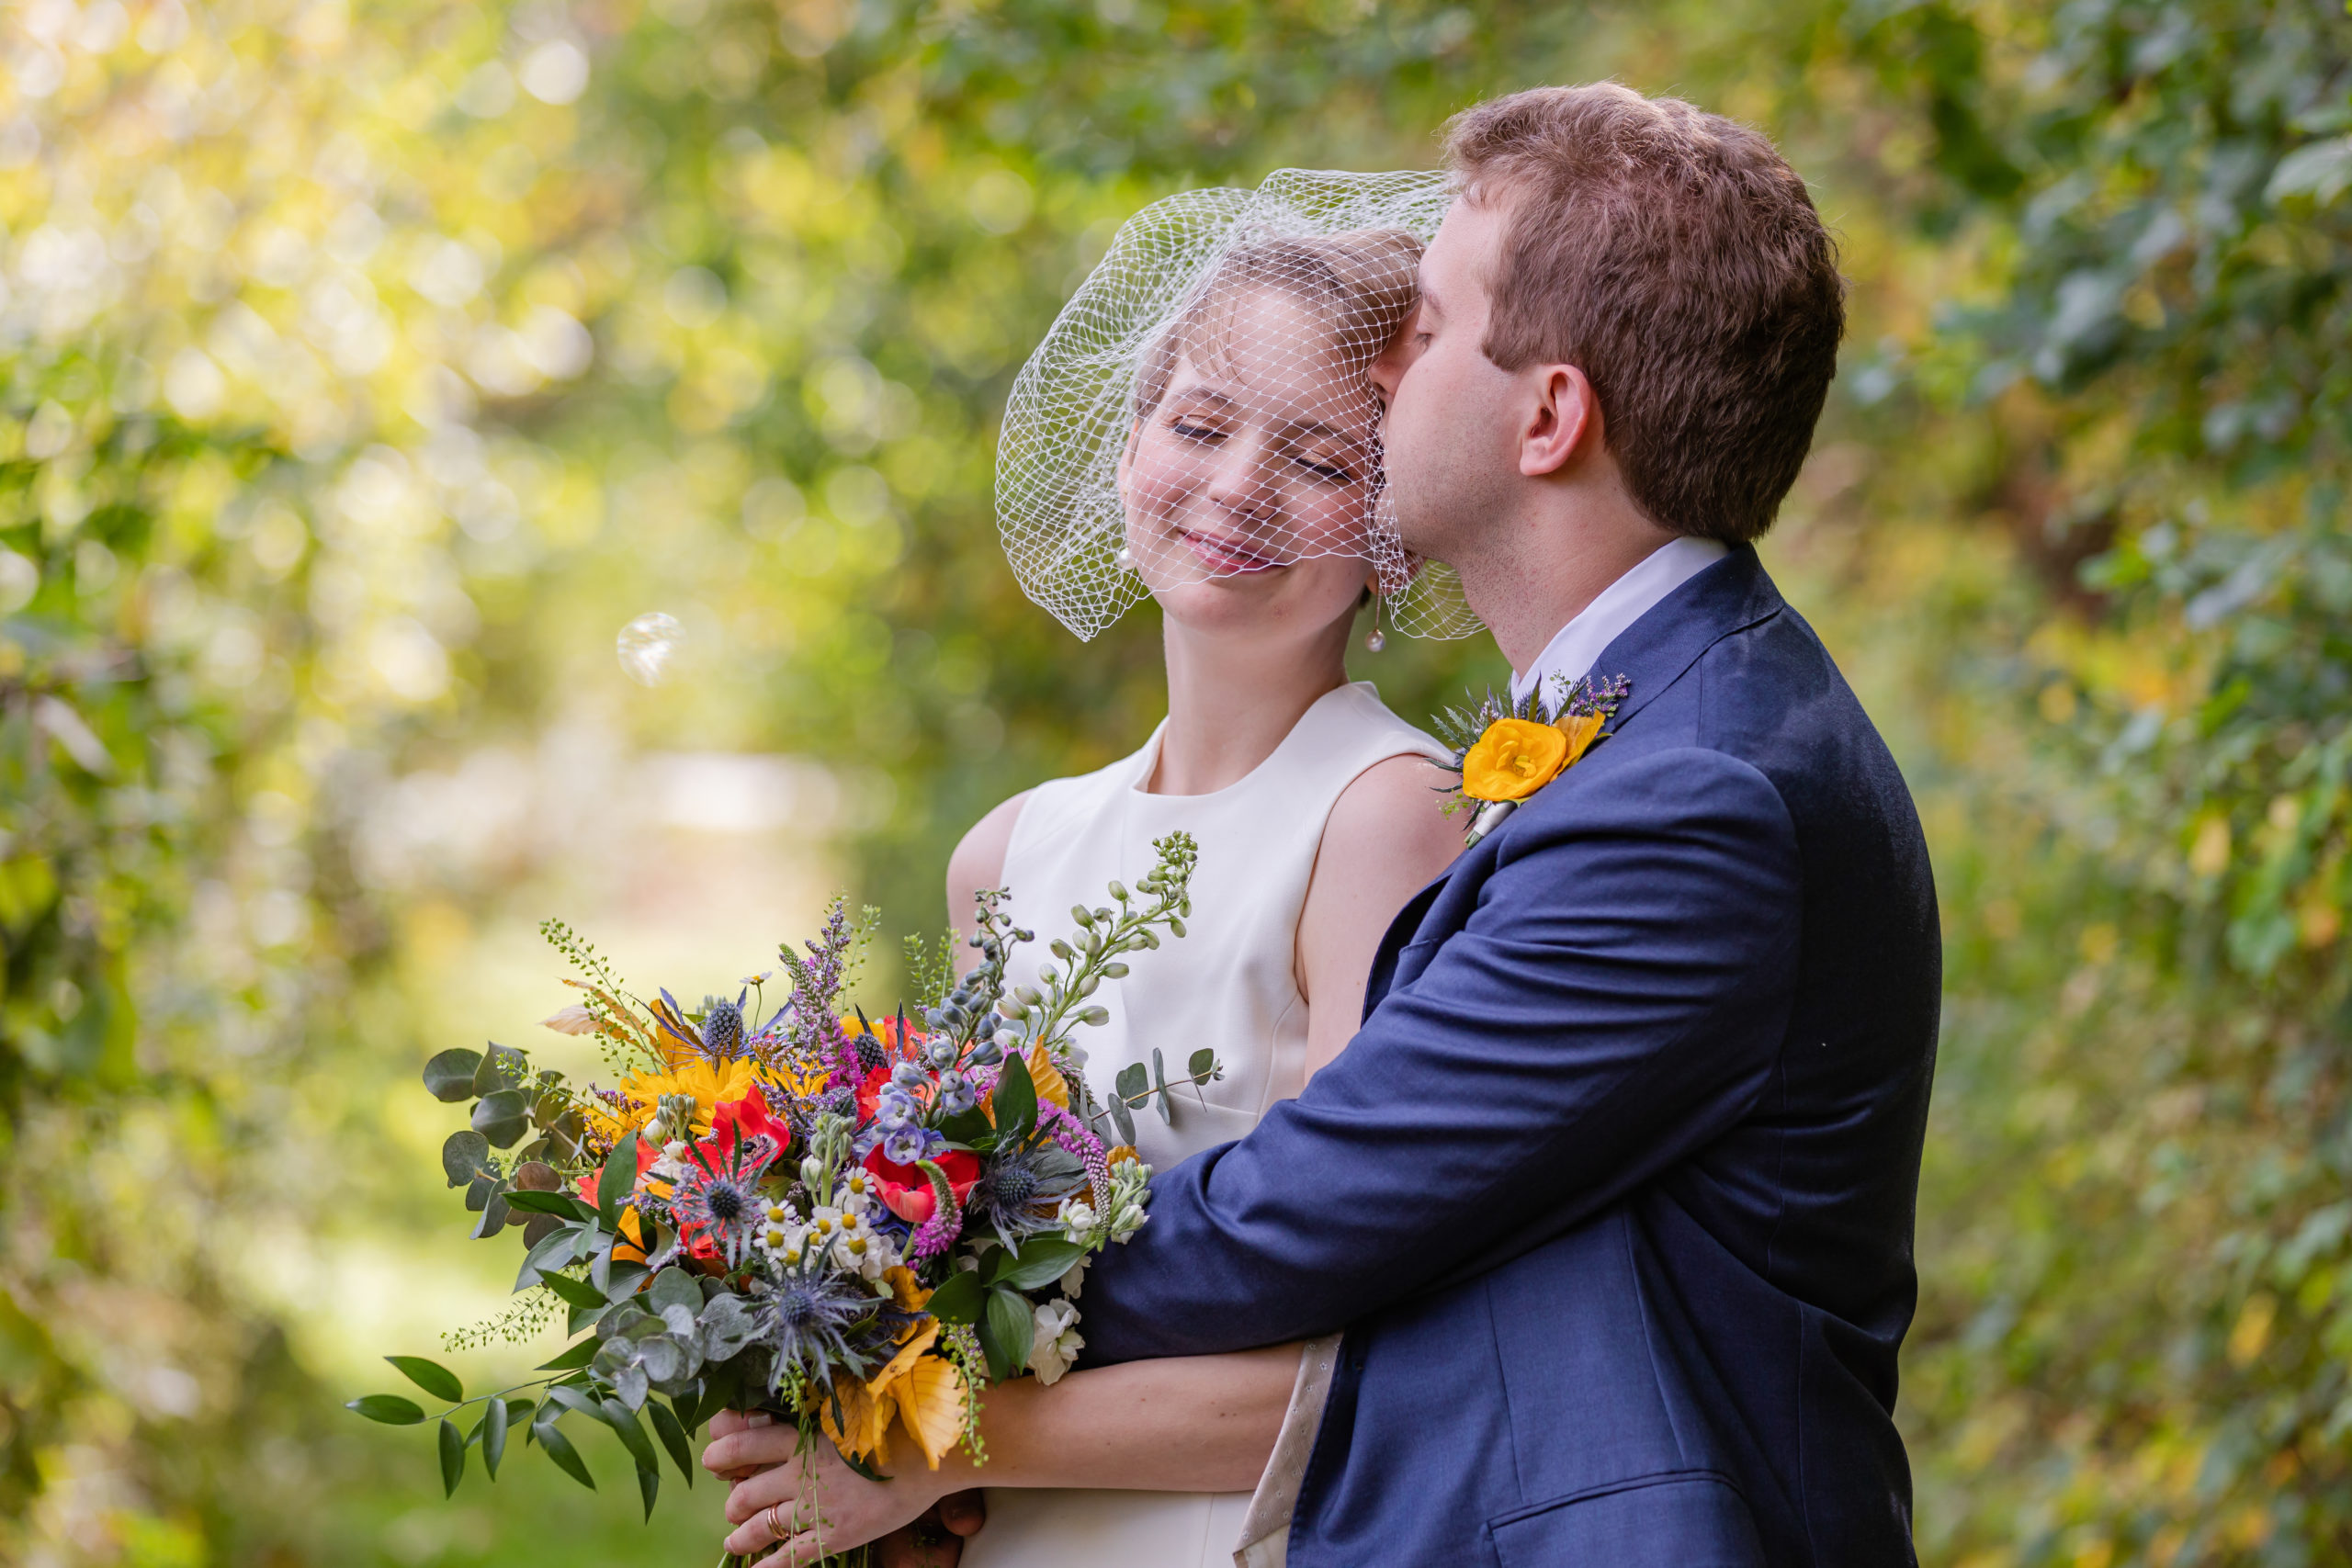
pixel 1513 759
pixel 1504 755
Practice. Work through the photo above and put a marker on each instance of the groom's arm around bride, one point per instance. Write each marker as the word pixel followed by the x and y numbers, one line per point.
pixel 1613 1193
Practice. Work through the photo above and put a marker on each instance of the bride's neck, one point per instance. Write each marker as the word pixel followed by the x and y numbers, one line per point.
pixel 1232 701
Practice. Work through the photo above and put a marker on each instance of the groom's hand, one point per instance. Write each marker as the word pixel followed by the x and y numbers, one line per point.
pixel 936 1539
pixel 963 1513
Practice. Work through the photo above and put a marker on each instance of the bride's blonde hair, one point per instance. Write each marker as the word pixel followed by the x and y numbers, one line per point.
pixel 1361 284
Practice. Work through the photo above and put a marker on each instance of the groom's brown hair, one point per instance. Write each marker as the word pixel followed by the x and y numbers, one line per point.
pixel 1674 257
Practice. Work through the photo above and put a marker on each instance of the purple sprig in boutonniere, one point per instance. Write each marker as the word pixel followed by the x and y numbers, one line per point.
pixel 1507 752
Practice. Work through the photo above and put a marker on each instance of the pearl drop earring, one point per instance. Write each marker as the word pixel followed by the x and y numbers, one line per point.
pixel 1376 642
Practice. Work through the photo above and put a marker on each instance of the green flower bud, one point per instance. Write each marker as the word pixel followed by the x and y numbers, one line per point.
pixel 1114 971
pixel 1081 914
pixel 1096 1016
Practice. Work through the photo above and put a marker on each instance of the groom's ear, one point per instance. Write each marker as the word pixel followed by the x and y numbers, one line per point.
pixel 1563 421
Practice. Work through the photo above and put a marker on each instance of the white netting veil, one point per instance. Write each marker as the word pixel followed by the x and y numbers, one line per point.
pixel 1203 406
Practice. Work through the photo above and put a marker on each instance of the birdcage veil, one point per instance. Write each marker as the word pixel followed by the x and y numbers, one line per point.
pixel 1275 300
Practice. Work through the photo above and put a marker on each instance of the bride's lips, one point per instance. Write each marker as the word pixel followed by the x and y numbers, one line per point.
pixel 1222 554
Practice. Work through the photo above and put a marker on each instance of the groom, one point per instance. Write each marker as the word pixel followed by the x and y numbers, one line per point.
pixel 1613 1193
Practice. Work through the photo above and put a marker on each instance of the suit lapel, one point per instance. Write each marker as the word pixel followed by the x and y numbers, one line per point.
pixel 1652 653
pixel 1658 649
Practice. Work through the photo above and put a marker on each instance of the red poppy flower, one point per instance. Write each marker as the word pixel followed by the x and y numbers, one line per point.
pixel 646 1154
pixel 906 1190
pixel 746 1117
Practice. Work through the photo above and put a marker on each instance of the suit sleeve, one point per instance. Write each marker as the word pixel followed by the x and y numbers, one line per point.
pixel 1615 1002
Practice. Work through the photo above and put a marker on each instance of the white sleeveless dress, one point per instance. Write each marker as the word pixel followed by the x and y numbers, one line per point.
pixel 1230 983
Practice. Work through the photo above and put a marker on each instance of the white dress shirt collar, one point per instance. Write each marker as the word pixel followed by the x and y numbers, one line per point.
pixel 1572 650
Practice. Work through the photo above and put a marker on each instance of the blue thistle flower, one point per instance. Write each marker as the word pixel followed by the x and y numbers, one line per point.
pixel 810 1316
pixel 722 1027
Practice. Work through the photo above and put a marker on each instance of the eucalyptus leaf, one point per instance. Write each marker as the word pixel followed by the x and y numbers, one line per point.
pixel 463 1154
pixel 494 1215
pixel 725 1327
pixel 501 1118
pixel 674 1287
pixel 502 1067
pixel 449 1077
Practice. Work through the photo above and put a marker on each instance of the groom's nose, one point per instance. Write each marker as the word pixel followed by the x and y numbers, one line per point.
pixel 1388 367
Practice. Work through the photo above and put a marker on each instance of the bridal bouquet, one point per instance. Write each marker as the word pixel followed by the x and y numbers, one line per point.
pixel 856 1226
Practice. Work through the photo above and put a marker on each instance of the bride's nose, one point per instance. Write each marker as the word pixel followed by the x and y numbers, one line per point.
pixel 1241 478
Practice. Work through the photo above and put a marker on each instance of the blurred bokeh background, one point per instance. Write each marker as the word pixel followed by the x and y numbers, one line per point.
pixel 370 365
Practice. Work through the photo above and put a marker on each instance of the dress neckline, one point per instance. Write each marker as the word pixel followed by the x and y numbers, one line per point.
pixel 1148 758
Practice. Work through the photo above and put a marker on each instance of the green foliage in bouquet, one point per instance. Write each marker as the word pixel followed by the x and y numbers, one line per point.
pixel 854 1226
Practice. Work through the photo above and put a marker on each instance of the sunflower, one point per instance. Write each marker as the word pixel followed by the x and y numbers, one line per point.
pixel 707 1083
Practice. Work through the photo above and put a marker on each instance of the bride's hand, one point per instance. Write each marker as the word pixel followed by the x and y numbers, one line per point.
pixel 813 1503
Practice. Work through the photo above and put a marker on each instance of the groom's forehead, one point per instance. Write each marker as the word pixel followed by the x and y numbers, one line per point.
pixel 1458 255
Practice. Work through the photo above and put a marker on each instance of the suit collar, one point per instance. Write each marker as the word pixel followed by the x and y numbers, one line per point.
pixel 1656 650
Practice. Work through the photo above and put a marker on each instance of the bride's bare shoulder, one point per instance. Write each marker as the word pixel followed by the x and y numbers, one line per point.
pixel 979 861
pixel 1393 808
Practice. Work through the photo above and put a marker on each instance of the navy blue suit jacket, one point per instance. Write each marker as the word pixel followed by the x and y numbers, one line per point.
pixel 1613 1193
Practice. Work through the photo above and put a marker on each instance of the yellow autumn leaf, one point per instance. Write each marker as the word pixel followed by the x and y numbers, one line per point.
pixel 879 1385
pixel 1049 1077
pixel 1582 729
pixel 906 1291
pixel 930 1398
pixel 864 1426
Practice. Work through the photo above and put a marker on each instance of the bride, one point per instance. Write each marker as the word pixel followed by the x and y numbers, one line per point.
pixel 1243 485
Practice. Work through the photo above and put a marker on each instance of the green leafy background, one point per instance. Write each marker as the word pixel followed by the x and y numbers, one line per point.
pixel 369 363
